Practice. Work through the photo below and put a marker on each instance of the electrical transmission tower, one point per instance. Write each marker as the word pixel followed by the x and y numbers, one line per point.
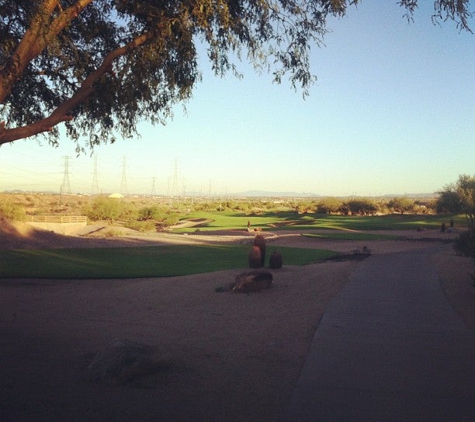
pixel 154 192
pixel 66 187
pixel 175 178
pixel 123 183
pixel 95 181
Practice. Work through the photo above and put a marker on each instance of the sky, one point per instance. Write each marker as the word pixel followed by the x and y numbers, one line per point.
pixel 392 112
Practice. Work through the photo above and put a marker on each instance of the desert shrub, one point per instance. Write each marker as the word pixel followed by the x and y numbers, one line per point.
pixel 401 205
pixel 152 213
pixel 362 206
pixel 145 213
pixel 465 244
pixel 141 226
pixel 171 219
pixel 113 233
pixel 328 206
pixel 128 212
pixel 102 208
pixel 158 214
pixel 12 211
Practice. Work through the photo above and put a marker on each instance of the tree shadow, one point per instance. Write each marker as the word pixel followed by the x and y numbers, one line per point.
pixel 20 236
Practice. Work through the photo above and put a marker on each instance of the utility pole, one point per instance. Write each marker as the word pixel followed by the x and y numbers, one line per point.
pixel 123 183
pixel 175 177
pixel 66 187
pixel 95 181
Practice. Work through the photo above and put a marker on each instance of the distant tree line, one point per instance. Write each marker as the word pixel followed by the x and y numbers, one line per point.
pixel 167 210
pixel 367 206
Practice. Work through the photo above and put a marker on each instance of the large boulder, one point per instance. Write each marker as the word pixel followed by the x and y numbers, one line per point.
pixel 123 361
pixel 253 281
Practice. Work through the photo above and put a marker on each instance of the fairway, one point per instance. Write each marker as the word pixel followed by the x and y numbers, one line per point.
pixel 136 262
pixel 281 221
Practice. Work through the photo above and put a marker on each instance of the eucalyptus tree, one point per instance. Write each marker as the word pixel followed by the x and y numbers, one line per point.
pixel 95 65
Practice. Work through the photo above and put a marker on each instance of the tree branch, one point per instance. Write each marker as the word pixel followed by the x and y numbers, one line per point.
pixel 63 112
pixel 36 38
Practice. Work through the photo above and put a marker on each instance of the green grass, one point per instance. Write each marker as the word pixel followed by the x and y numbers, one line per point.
pixel 294 221
pixel 346 235
pixel 162 261
pixel 228 221
pixel 384 222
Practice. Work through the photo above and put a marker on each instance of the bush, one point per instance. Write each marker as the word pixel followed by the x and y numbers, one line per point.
pixel 103 208
pixel 113 233
pixel 171 220
pixel 363 206
pixel 14 212
pixel 141 226
pixel 465 245
pixel 152 213
pixel 328 206
pixel 128 211
pixel 401 205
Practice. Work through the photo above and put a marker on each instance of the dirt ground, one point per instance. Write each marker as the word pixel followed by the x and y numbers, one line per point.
pixel 224 356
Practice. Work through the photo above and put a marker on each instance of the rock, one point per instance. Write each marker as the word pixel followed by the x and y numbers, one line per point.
pixel 226 288
pixel 366 250
pixel 123 361
pixel 252 281
pixel 275 260
pixel 255 257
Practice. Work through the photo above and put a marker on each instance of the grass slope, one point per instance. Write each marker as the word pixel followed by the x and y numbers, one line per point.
pixel 161 261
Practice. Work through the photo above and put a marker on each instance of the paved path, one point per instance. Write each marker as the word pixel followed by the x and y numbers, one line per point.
pixel 389 348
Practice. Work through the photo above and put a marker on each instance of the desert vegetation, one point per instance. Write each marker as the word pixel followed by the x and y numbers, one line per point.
pixel 166 211
pixel 195 214
pixel 144 214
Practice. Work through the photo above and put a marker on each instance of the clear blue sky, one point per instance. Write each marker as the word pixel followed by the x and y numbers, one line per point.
pixel 392 112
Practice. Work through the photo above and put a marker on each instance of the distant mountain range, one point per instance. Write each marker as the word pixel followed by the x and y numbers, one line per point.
pixel 266 194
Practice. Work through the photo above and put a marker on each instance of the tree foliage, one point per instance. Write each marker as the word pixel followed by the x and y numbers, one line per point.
pixel 152 213
pixel 459 198
pixel 102 208
pixel 12 211
pixel 329 206
pixel 401 204
pixel 361 206
pixel 102 64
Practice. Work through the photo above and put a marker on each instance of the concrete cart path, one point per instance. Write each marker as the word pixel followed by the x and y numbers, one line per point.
pixel 389 348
